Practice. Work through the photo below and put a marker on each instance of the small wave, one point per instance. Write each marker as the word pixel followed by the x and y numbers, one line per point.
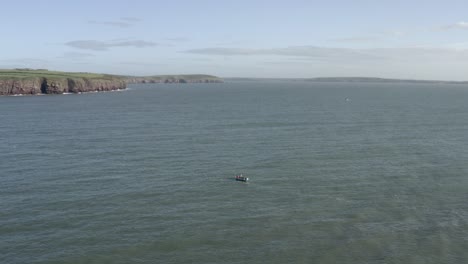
pixel 24 94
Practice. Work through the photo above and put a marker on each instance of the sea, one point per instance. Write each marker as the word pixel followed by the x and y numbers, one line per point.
pixel 339 173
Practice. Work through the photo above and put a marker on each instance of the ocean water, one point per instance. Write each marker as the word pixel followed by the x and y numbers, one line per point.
pixel 146 175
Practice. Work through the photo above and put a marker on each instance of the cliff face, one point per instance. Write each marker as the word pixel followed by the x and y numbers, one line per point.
pixel 80 85
pixel 20 86
pixel 58 85
pixel 42 81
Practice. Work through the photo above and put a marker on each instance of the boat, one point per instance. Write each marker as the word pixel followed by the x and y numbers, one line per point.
pixel 240 177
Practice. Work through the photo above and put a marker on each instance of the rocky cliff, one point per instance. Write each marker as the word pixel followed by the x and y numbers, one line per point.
pixel 27 81
pixel 20 86
pixel 57 85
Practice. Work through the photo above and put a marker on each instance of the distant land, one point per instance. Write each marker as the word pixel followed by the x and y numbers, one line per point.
pixel 347 79
pixel 43 81
pixel 184 78
pixel 378 80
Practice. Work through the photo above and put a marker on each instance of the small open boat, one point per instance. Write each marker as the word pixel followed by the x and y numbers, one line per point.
pixel 240 177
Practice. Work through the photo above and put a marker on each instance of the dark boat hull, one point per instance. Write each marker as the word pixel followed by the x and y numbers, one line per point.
pixel 243 179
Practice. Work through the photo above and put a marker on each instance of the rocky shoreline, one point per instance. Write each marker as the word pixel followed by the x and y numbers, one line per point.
pixel 40 82
pixel 36 86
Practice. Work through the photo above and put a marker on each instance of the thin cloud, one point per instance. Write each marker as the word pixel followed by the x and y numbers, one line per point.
pixel 131 19
pixel 120 24
pixel 462 24
pixel 33 63
pixel 294 51
pixel 457 45
pixel 24 60
pixel 178 39
pixel 123 22
pixel 75 55
pixel 226 51
pixel 142 64
pixel 356 39
pixel 229 43
pixel 396 33
pixel 420 54
pixel 97 45
pixel 458 25
pixel 377 36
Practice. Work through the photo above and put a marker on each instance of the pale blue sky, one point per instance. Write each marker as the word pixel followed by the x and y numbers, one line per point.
pixel 394 39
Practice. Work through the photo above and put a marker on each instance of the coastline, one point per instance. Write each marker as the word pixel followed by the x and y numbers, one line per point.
pixel 78 93
pixel 22 82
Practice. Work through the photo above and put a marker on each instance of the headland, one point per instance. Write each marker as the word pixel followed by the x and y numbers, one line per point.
pixel 42 81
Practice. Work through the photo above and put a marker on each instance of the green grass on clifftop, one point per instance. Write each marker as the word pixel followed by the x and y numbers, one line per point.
pixel 43 73
pixel 27 73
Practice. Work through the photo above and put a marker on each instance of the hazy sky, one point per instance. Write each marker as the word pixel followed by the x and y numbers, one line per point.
pixel 377 38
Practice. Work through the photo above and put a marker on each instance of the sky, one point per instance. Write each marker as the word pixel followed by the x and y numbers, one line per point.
pixel 266 39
